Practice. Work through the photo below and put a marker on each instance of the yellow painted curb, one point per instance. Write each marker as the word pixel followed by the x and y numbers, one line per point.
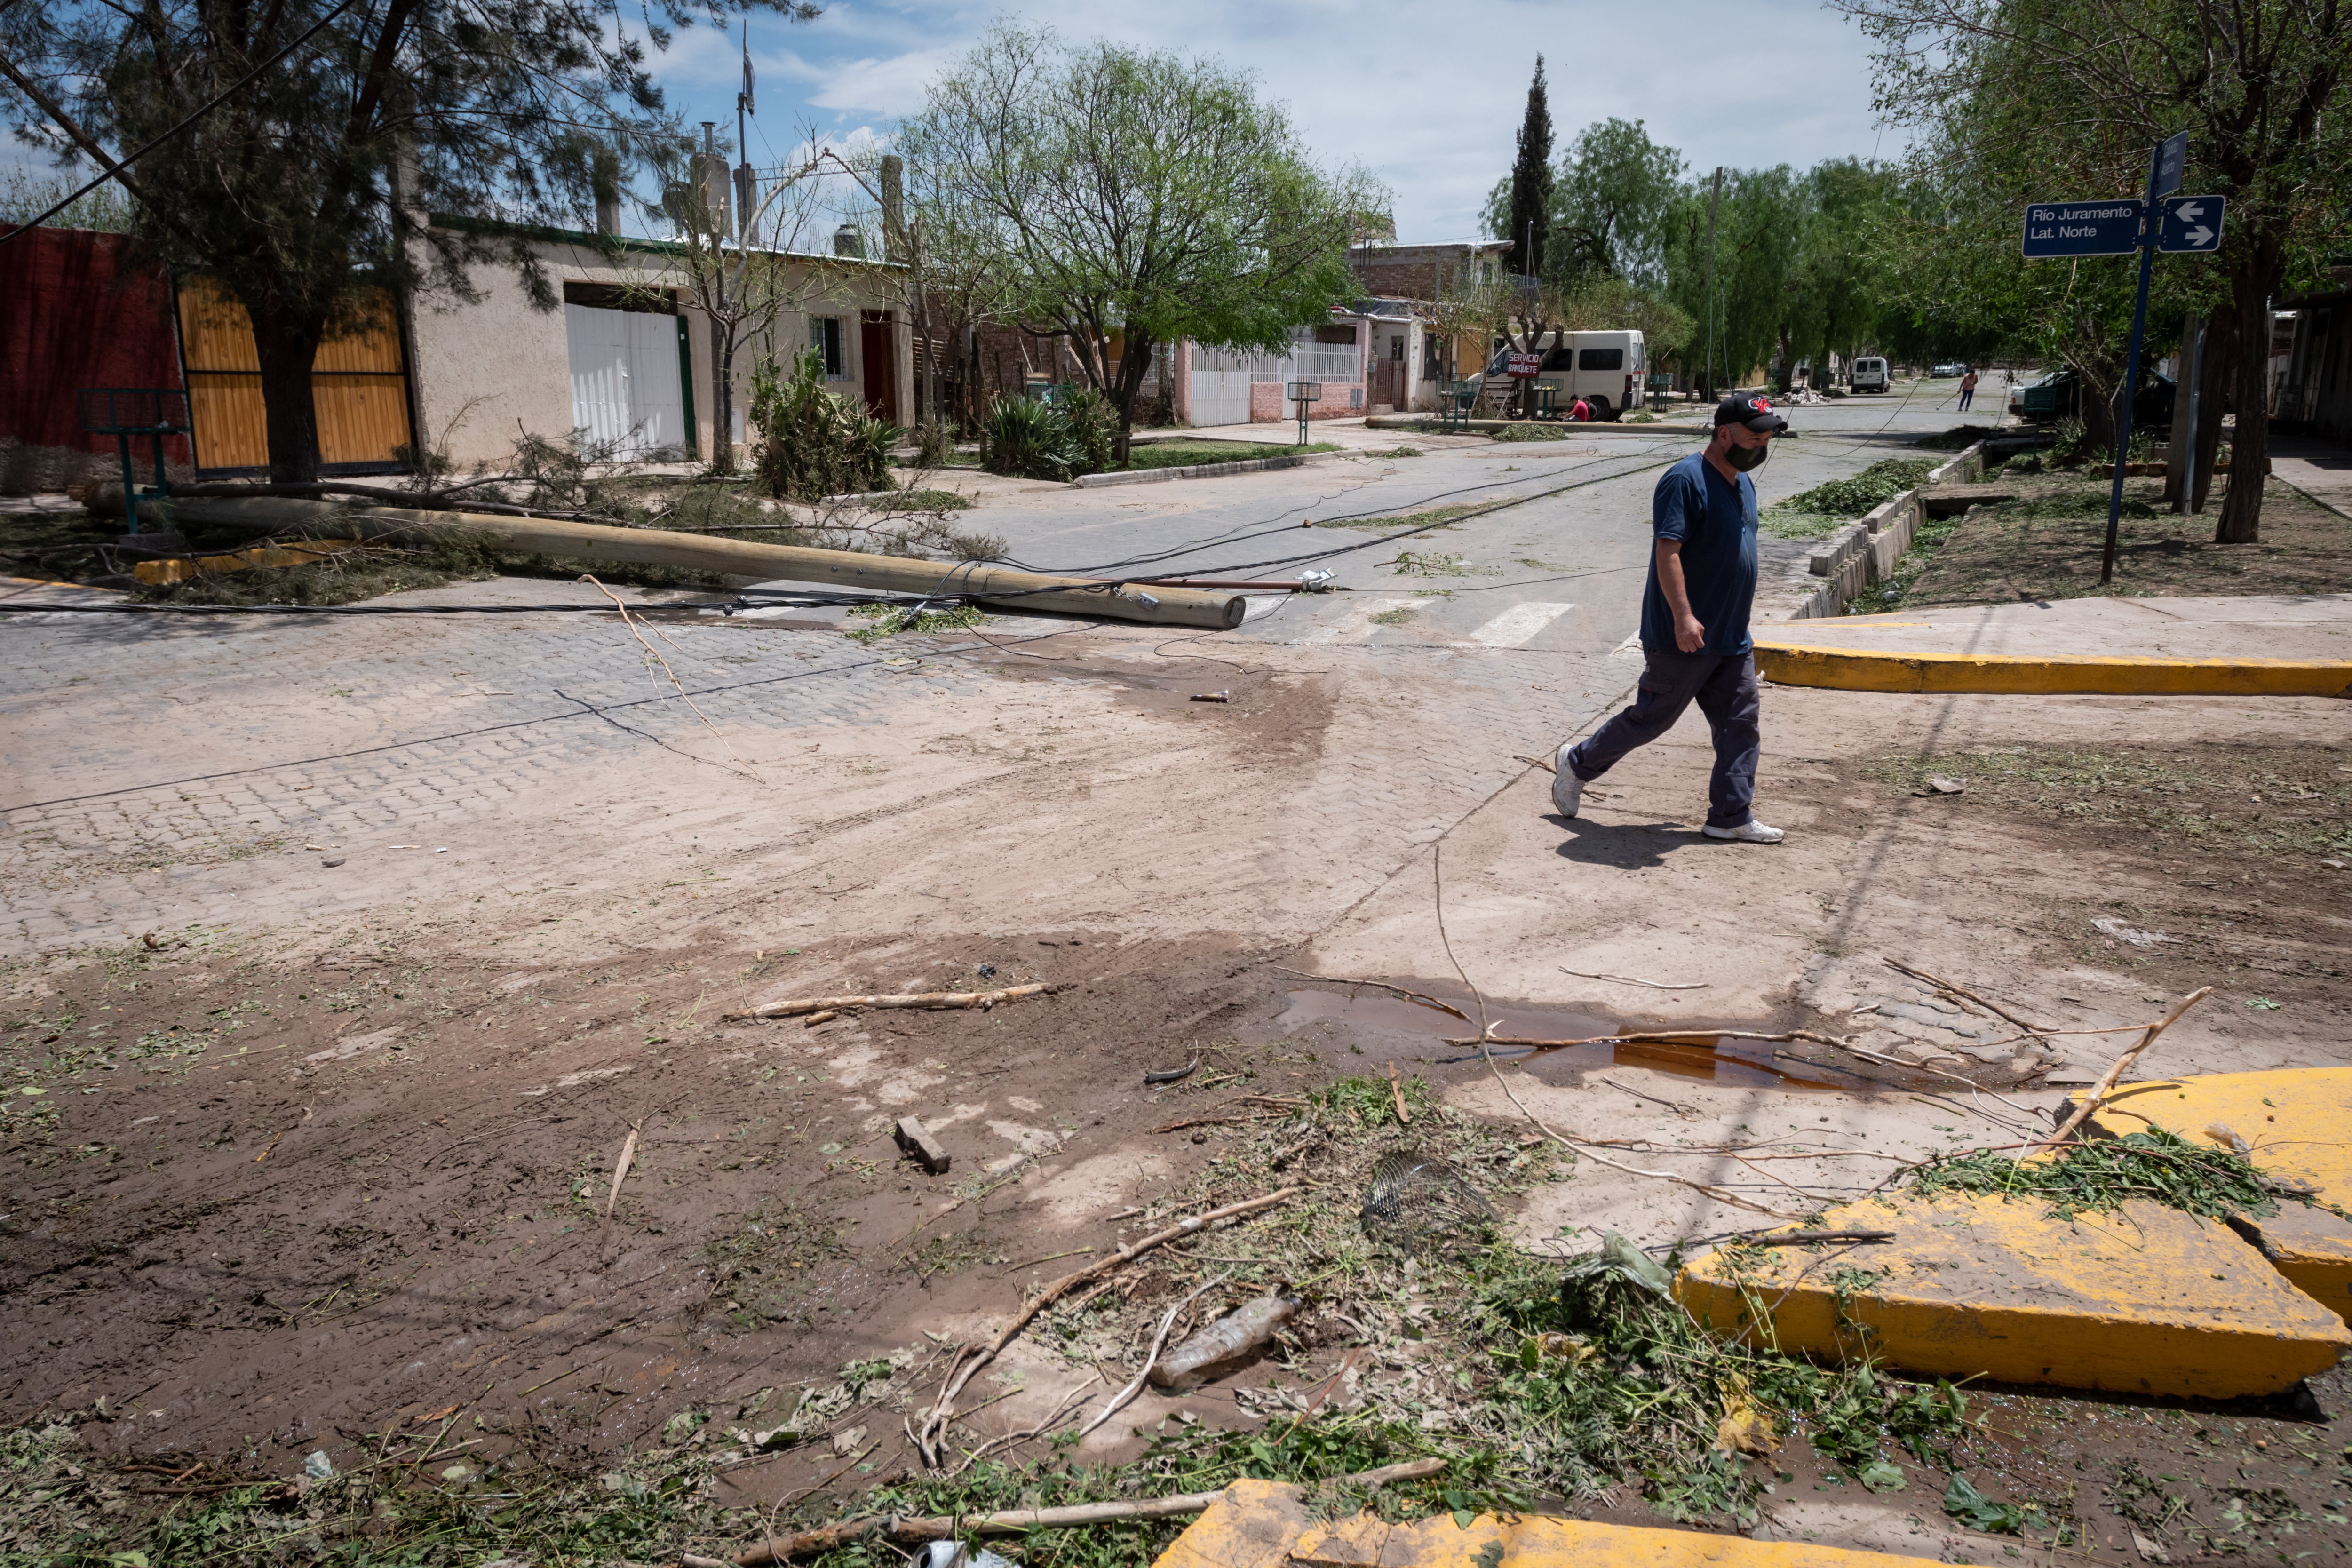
pixel 1867 669
pixel 183 569
pixel 2151 1300
pixel 1260 1524
pixel 2297 1124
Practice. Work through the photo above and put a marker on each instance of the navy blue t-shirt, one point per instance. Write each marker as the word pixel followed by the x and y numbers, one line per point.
pixel 1716 520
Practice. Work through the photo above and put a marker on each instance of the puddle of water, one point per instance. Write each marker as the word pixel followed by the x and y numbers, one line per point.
pixel 1384 1027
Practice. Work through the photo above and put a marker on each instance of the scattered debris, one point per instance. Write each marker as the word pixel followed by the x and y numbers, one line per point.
pixel 1213 697
pixel 917 1141
pixel 2131 934
pixel 620 1166
pixel 1629 980
pixel 1172 1075
pixel 2114 1075
pixel 1151 1360
pixel 983 1000
pixel 1417 1194
pixel 1938 784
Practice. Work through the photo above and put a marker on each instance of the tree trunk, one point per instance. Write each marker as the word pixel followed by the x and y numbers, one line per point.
pixel 722 434
pixel 287 350
pixel 2215 376
pixel 1125 389
pixel 2242 508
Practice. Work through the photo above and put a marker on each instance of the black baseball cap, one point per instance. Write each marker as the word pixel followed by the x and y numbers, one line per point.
pixel 1756 413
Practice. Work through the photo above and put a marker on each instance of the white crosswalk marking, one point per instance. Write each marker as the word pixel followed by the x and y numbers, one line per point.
pixel 1352 620
pixel 1518 625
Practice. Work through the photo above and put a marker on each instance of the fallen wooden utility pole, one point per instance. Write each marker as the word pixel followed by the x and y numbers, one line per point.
pixel 1005 586
pixel 1014 1521
pixel 983 1000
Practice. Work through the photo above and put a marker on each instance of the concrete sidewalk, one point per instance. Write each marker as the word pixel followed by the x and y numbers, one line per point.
pixel 2255 644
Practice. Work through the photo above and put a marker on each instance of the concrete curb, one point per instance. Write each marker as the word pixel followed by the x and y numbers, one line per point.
pixel 1789 663
pixel 1203 470
pixel 1865 551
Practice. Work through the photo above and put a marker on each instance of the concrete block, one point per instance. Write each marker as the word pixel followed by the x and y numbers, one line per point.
pixel 2150 1302
pixel 916 1139
pixel 2292 1122
pixel 1263 1524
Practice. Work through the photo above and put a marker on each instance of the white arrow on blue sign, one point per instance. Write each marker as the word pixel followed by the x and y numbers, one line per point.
pixel 2189 223
pixel 2082 228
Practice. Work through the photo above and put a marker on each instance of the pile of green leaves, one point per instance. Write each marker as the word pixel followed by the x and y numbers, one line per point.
pixel 2100 1176
pixel 1875 486
pixel 891 620
pixel 816 443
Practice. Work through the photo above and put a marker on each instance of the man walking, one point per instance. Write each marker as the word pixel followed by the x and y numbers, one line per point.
pixel 1695 637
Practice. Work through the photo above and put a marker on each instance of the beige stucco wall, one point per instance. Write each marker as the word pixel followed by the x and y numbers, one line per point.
pixel 486 370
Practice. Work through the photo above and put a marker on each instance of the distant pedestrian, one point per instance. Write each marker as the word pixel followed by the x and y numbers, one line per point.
pixel 1967 390
pixel 1695 641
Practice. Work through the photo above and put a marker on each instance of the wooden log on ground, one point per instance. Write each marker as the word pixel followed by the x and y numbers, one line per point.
pixel 933 1000
pixel 1004 587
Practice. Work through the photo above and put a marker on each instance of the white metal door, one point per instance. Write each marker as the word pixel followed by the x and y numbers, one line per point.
pixel 626 396
pixel 1220 387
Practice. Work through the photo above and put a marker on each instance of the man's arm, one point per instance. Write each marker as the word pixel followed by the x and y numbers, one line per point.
pixel 1689 634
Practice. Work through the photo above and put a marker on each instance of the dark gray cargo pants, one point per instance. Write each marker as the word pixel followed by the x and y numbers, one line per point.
pixel 1725 689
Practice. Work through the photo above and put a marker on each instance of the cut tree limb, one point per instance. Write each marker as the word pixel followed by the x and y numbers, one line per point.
pixel 935 1421
pixel 1014 1521
pixel 983 1000
pixel 2114 1075
pixel 1992 1008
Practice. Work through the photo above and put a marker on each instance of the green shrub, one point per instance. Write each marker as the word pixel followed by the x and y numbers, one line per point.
pixel 816 443
pixel 1093 430
pixel 1026 439
pixel 1879 483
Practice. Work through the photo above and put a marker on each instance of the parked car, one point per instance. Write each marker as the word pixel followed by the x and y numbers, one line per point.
pixel 1869 373
pixel 1605 369
pixel 2058 394
pixel 1951 368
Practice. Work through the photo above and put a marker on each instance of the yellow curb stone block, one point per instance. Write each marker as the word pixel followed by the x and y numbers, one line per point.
pixel 1790 663
pixel 1260 1524
pixel 2297 1124
pixel 2149 1300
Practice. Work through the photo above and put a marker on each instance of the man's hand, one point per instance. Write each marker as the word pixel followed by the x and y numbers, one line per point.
pixel 1689 634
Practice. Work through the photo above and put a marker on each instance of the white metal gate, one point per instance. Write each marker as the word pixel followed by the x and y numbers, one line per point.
pixel 1221 383
pixel 625 394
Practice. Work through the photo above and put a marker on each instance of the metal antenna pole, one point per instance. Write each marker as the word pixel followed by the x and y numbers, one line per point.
pixel 2148 224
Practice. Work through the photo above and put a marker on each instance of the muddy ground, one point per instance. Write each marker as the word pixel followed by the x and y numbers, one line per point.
pixel 257 1205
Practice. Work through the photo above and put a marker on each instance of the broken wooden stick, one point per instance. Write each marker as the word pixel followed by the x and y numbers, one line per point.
pixel 1704 1037
pixel 943 1411
pixel 1014 1521
pixel 2114 1075
pixel 621 1165
pixel 1399 991
pixel 936 1000
pixel 1396 1091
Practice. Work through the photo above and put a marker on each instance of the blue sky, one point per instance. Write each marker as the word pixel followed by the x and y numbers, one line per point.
pixel 1427 96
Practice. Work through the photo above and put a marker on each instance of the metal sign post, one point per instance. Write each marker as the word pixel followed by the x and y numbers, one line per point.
pixel 1305 394
pixel 2161 222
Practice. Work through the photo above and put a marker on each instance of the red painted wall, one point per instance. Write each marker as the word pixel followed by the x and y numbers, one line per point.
pixel 73 315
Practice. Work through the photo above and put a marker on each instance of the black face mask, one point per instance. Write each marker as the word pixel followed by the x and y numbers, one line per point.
pixel 1745 458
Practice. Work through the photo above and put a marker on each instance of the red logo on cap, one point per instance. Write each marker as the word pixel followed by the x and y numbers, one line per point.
pixel 1760 404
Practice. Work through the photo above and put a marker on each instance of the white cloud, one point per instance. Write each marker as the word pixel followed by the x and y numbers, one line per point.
pixel 1428 96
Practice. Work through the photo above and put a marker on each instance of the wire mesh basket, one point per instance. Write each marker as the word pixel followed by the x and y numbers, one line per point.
pixel 1417 1196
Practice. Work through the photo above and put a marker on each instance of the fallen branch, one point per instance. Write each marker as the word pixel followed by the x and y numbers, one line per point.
pixel 1706 1037
pixel 936 1000
pixel 1014 1521
pixel 620 1166
pixel 1811 1237
pixel 1994 1007
pixel 1151 1360
pixel 2114 1075
pixel 1396 1091
pixel 1629 980
pixel 943 1410
pixel 1425 1001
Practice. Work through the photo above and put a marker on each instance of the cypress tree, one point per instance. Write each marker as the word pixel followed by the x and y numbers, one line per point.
pixel 1531 181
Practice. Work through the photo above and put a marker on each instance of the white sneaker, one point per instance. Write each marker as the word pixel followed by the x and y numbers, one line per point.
pixel 1748 832
pixel 1567 789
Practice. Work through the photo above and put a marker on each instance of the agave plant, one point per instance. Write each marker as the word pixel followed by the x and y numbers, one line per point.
pixel 816 443
pixel 1030 440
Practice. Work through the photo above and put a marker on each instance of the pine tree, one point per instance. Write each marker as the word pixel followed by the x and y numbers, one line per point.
pixel 1531 181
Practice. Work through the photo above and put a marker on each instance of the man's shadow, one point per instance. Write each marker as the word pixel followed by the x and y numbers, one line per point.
pixel 1625 846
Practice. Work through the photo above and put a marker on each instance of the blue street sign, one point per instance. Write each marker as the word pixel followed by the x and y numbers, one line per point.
pixel 2171 157
pixel 2082 228
pixel 2189 223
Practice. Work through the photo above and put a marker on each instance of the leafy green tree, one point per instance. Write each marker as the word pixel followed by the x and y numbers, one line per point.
pixel 304 194
pixel 1754 245
pixel 1134 199
pixel 1526 220
pixel 1614 193
pixel 2089 87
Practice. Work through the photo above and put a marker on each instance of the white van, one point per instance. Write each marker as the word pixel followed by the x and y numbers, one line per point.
pixel 1605 369
pixel 1869 375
